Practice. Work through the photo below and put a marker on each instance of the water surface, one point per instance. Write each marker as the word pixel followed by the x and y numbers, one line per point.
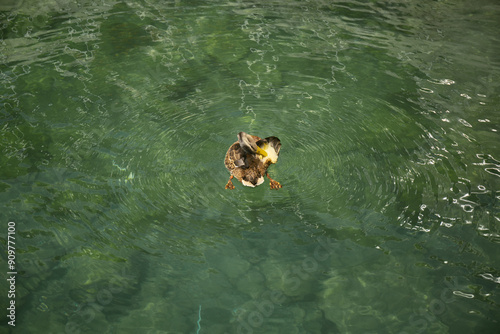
pixel 115 120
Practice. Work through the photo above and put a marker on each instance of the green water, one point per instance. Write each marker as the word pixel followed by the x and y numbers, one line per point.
pixel 115 119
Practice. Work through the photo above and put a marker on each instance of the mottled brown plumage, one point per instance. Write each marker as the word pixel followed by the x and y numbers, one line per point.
pixel 248 159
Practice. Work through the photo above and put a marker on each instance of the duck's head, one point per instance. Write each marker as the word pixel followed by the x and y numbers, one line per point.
pixel 249 144
pixel 267 148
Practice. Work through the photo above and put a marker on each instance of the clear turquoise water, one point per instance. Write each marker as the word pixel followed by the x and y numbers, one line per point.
pixel 115 119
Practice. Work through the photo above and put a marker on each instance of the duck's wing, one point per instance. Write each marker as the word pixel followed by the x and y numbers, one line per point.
pixel 241 163
pixel 236 157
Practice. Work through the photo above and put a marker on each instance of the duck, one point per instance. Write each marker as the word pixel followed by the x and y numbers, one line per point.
pixel 249 158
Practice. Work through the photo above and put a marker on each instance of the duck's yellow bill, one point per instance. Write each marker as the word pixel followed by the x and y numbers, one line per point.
pixel 261 152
